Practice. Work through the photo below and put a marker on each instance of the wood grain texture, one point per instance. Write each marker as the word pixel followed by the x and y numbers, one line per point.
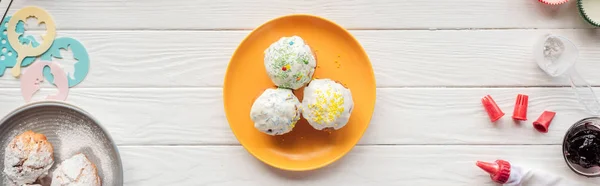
pixel 416 116
pixel 158 66
pixel 364 165
pixel 412 58
pixel 147 116
pixel 356 14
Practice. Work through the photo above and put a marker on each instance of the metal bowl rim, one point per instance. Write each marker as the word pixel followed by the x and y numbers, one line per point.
pixel 71 107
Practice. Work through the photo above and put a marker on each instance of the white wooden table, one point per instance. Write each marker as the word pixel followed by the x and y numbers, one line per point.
pixel 158 66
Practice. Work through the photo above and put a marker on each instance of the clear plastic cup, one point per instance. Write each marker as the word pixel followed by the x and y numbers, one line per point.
pixel 556 55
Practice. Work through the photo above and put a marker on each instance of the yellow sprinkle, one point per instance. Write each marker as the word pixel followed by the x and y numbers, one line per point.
pixel 294 123
pixel 328 107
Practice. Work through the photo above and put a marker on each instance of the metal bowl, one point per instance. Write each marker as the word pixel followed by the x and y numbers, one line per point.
pixel 578 126
pixel 70 130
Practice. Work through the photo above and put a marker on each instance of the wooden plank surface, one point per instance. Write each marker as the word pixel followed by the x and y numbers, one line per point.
pixel 364 165
pixel 158 67
pixel 414 58
pixel 416 116
pixel 356 14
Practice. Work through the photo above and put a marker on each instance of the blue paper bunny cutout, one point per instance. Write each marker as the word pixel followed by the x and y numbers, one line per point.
pixel 81 67
pixel 8 56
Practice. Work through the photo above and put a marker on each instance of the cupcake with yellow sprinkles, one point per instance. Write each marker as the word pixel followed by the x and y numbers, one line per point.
pixel 327 104
pixel 290 62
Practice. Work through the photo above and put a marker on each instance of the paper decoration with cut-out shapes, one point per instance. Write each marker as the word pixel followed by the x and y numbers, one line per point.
pixel 33 77
pixel 75 63
pixel 24 50
pixel 8 56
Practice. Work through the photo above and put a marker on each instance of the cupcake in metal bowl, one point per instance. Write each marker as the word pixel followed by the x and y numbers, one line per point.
pixel 71 131
pixel 27 158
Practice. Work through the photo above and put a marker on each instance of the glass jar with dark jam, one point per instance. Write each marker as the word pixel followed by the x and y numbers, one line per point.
pixel 581 147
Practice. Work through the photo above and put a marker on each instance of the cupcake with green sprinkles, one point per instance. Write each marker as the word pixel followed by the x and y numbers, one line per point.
pixel 590 11
pixel 327 104
pixel 290 62
pixel 276 111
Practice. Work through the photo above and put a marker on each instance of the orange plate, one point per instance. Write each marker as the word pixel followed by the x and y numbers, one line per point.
pixel 339 57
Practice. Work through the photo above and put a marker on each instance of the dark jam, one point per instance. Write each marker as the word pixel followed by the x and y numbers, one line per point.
pixel 583 146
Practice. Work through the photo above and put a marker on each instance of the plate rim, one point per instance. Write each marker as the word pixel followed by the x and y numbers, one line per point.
pixel 64 104
pixel 374 91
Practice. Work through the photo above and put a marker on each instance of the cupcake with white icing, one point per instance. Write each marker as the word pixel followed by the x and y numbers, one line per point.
pixel 28 157
pixel 275 111
pixel 327 104
pixel 76 171
pixel 290 62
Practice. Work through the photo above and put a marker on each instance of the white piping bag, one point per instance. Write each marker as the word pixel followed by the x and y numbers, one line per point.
pixel 504 173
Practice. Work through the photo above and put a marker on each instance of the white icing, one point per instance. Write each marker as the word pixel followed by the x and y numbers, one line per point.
pixel 322 99
pixel 26 160
pixel 73 136
pixel 275 111
pixel 76 171
pixel 592 9
pixel 290 63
